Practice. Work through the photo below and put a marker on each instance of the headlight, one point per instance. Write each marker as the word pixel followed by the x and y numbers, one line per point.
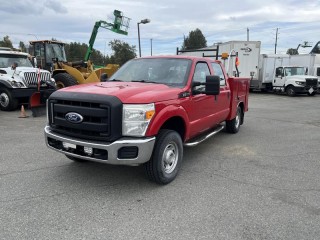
pixel 300 83
pixel 136 119
pixel 16 84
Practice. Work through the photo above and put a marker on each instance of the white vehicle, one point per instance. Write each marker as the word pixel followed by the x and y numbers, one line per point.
pixel 293 80
pixel 277 73
pixel 267 65
pixel 19 80
pixel 248 56
pixel 310 61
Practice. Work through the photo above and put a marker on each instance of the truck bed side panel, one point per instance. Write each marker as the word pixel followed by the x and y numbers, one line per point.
pixel 239 93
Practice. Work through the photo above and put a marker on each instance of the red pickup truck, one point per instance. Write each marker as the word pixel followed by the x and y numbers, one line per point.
pixel 146 113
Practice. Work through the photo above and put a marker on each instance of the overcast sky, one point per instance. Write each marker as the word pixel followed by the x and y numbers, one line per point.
pixel 219 21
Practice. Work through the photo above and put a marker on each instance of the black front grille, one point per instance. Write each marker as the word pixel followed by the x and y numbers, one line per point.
pixel 311 82
pixel 101 120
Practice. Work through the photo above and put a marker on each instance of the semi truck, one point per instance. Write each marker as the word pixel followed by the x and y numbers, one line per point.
pixel 146 113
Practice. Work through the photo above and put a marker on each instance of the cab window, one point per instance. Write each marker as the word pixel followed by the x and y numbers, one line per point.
pixel 217 71
pixel 200 73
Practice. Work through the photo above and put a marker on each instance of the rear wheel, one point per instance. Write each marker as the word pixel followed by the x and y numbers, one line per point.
pixel 7 101
pixel 64 80
pixel 290 91
pixel 233 126
pixel 311 94
pixel 167 156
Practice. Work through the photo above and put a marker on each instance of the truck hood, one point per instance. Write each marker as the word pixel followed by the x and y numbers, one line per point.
pixel 21 69
pixel 300 77
pixel 129 92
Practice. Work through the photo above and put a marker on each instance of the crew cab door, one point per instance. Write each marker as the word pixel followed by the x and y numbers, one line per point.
pixel 207 110
pixel 279 78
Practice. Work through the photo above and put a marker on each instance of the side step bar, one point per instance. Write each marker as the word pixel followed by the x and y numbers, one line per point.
pixel 200 139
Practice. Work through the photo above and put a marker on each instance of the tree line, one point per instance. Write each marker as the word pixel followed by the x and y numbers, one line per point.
pixel 122 51
pixel 75 51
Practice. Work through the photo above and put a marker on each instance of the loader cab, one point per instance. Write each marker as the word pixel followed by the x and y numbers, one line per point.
pixel 46 52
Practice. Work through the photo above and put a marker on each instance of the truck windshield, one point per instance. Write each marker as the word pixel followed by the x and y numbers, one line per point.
pixel 169 71
pixel 55 50
pixel 6 60
pixel 289 71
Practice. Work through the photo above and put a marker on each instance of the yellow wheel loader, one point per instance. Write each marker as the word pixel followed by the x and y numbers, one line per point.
pixel 50 55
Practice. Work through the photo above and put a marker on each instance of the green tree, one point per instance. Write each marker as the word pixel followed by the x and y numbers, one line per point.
pixel 195 40
pixel 6 42
pixel 122 52
pixel 22 47
pixel 292 51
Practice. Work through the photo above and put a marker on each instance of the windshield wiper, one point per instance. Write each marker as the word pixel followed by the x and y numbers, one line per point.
pixel 143 81
pixel 115 80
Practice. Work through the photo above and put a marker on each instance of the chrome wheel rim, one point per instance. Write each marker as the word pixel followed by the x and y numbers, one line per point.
pixel 170 157
pixel 4 100
pixel 237 120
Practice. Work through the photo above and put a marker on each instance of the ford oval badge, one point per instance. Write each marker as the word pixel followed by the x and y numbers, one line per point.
pixel 74 117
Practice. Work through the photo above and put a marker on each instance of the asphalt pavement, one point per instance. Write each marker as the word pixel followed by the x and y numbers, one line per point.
pixel 261 183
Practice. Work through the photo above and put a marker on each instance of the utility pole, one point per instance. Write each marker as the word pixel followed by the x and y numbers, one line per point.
pixel 151 45
pixel 275 45
pixel 247 34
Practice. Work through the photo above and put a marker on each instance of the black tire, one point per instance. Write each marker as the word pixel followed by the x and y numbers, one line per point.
pixel 166 159
pixel 64 80
pixel 233 126
pixel 311 94
pixel 290 91
pixel 7 101
pixel 75 159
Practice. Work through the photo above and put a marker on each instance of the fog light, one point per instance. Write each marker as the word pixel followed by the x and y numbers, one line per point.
pixel 68 145
pixel 88 150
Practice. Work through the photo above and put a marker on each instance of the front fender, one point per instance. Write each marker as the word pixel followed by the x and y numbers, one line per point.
pixel 164 115
pixel 5 83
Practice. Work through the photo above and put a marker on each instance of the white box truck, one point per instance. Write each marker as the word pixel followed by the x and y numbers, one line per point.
pixel 277 73
pixel 248 56
pixel 310 61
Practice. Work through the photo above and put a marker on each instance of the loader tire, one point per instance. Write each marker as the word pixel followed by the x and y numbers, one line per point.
pixel 64 80
pixel 7 101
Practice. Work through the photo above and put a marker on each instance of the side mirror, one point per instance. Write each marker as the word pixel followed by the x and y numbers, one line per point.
pixel 212 86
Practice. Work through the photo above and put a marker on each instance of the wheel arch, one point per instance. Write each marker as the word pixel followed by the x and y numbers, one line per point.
pixel 171 118
pixel 4 84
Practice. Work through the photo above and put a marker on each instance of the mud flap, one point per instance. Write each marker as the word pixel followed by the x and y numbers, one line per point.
pixel 36 105
pixel 37 102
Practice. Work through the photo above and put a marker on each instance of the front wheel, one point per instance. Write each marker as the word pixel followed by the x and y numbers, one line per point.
pixel 290 91
pixel 167 156
pixel 233 126
pixel 7 101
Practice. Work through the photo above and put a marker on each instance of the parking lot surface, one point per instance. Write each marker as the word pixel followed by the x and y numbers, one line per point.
pixel 262 183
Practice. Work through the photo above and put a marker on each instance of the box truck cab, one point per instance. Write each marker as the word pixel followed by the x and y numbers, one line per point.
pixel 293 80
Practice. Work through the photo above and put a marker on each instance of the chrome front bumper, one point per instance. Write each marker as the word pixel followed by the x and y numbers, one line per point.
pixel 101 151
